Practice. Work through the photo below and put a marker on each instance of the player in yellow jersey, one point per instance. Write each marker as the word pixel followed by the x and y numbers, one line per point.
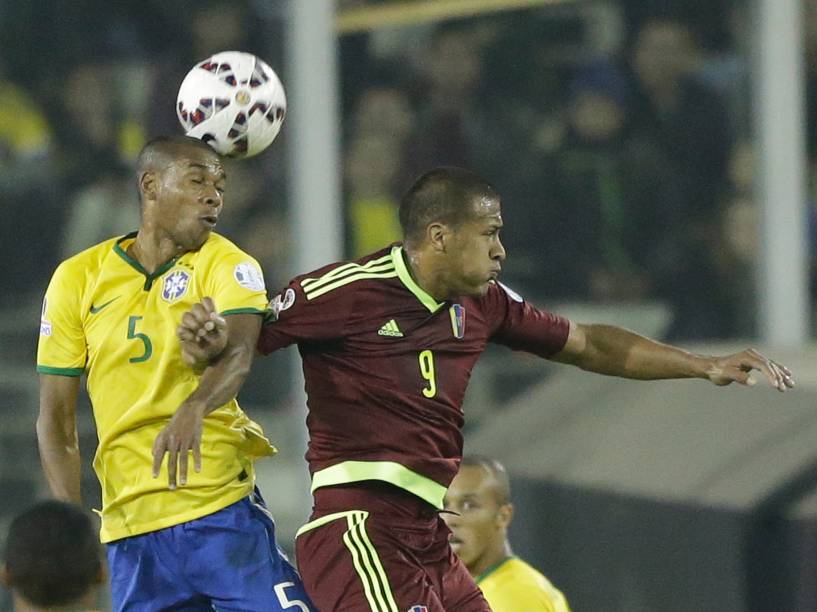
pixel 176 538
pixel 480 511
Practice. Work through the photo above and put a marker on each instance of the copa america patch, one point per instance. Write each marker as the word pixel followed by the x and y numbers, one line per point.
pixel 282 301
pixel 418 609
pixel 45 324
pixel 175 285
pixel 249 276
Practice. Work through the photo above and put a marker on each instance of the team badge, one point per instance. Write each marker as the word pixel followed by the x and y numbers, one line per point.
pixel 457 313
pixel 418 609
pixel 249 276
pixel 281 302
pixel 175 285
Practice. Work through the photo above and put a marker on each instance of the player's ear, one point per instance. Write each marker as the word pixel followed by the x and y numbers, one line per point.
pixel 504 515
pixel 437 233
pixel 148 185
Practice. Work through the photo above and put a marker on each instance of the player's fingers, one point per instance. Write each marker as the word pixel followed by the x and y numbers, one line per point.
pixel 185 334
pixel 209 304
pixel 197 454
pixel 172 466
pixel 190 322
pixel 158 454
pixel 183 456
pixel 740 375
pixel 199 312
pixel 788 378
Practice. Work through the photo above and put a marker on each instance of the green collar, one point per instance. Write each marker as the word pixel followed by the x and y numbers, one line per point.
pixel 149 277
pixel 492 569
pixel 405 276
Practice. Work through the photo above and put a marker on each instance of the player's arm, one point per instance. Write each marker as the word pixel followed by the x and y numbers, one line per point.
pixel 607 349
pixel 57 435
pixel 219 383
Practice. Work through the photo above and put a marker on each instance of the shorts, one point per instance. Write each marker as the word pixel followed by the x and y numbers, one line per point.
pixel 371 547
pixel 227 561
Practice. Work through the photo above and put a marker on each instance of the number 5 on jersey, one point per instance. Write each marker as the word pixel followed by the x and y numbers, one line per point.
pixel 133 335
pixel 427 372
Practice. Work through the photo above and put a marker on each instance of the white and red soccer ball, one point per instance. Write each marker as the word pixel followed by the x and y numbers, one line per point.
pixel 234 102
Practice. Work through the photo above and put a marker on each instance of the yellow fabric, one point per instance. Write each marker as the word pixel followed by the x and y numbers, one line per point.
pixel 23 127
pixel 103 314
pixel 374 222
pixel 515 586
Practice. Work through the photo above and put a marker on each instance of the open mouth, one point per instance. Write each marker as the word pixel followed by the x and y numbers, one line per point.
pixel 210 221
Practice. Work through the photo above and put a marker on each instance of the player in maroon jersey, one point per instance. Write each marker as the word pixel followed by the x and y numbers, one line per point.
pixel 388 343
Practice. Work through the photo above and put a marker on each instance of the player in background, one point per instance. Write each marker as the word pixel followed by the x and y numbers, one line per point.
pixel 53 559
pixel 388 343
pixel 176 538
pixel 478 511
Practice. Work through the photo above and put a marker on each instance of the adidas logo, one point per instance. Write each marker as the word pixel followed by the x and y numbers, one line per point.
pixel 390 329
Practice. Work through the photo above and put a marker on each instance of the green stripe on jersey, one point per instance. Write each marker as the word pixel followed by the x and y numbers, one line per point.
pixel 308 283
pixel 356 276
pixel 387 471
pixel 405 276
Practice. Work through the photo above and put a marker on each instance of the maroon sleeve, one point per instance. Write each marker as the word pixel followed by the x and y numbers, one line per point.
pixel 294 317
pixel 521 326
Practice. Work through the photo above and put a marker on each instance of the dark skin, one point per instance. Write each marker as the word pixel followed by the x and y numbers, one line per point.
pixel 182 194
pixel 452 260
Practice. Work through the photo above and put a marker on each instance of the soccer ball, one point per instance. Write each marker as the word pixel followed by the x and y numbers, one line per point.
pixel 232 101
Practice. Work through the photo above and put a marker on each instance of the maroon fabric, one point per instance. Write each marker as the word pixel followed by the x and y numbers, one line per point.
pixel 411 541
pixel 365 389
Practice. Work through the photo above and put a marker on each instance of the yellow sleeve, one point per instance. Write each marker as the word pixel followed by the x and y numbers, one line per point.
pixel 524 598
pixel 61 349
pixel 236 283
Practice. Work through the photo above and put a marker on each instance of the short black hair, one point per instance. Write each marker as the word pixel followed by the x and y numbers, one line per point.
pixel 53 555
pixel 446 194
pixel 496 469
pixel 159 151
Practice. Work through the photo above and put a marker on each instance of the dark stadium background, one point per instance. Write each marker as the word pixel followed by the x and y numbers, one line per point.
pixel 653 215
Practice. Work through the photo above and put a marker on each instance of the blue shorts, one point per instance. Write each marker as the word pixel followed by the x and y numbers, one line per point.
pixel 227 560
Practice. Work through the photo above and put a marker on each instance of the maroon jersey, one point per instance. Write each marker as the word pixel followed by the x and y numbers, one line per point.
pixel 386 367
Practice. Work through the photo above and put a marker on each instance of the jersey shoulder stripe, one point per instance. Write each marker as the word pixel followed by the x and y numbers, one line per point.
pixel 379 268
pixel 351 279
pixel 342 270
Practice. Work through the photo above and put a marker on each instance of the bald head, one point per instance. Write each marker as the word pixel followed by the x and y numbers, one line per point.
pixel 496 471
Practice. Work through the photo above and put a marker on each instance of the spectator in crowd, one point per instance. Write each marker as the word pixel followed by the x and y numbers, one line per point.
pixel 381 125
pixel 599 188
pixel 478 512
pixel 450 123
pixel 53 559
pixel 28 194
pixel 683 122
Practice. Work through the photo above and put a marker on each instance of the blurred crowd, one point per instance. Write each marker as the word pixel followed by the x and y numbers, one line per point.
pixel 618 133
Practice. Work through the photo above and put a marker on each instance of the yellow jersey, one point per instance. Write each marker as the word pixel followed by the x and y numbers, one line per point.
pixel 515 586
pixel 104 315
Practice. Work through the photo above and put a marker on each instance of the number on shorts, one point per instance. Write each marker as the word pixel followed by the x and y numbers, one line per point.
pixel 427 371
pixel 286 602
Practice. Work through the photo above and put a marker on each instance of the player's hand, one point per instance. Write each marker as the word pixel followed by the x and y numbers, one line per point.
pixel 177 440
pixel 202 333
pixel 738 368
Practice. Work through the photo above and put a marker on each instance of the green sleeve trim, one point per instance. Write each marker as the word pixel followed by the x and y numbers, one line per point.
pixel 60 371
pixel 233 311
pixel 387 471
